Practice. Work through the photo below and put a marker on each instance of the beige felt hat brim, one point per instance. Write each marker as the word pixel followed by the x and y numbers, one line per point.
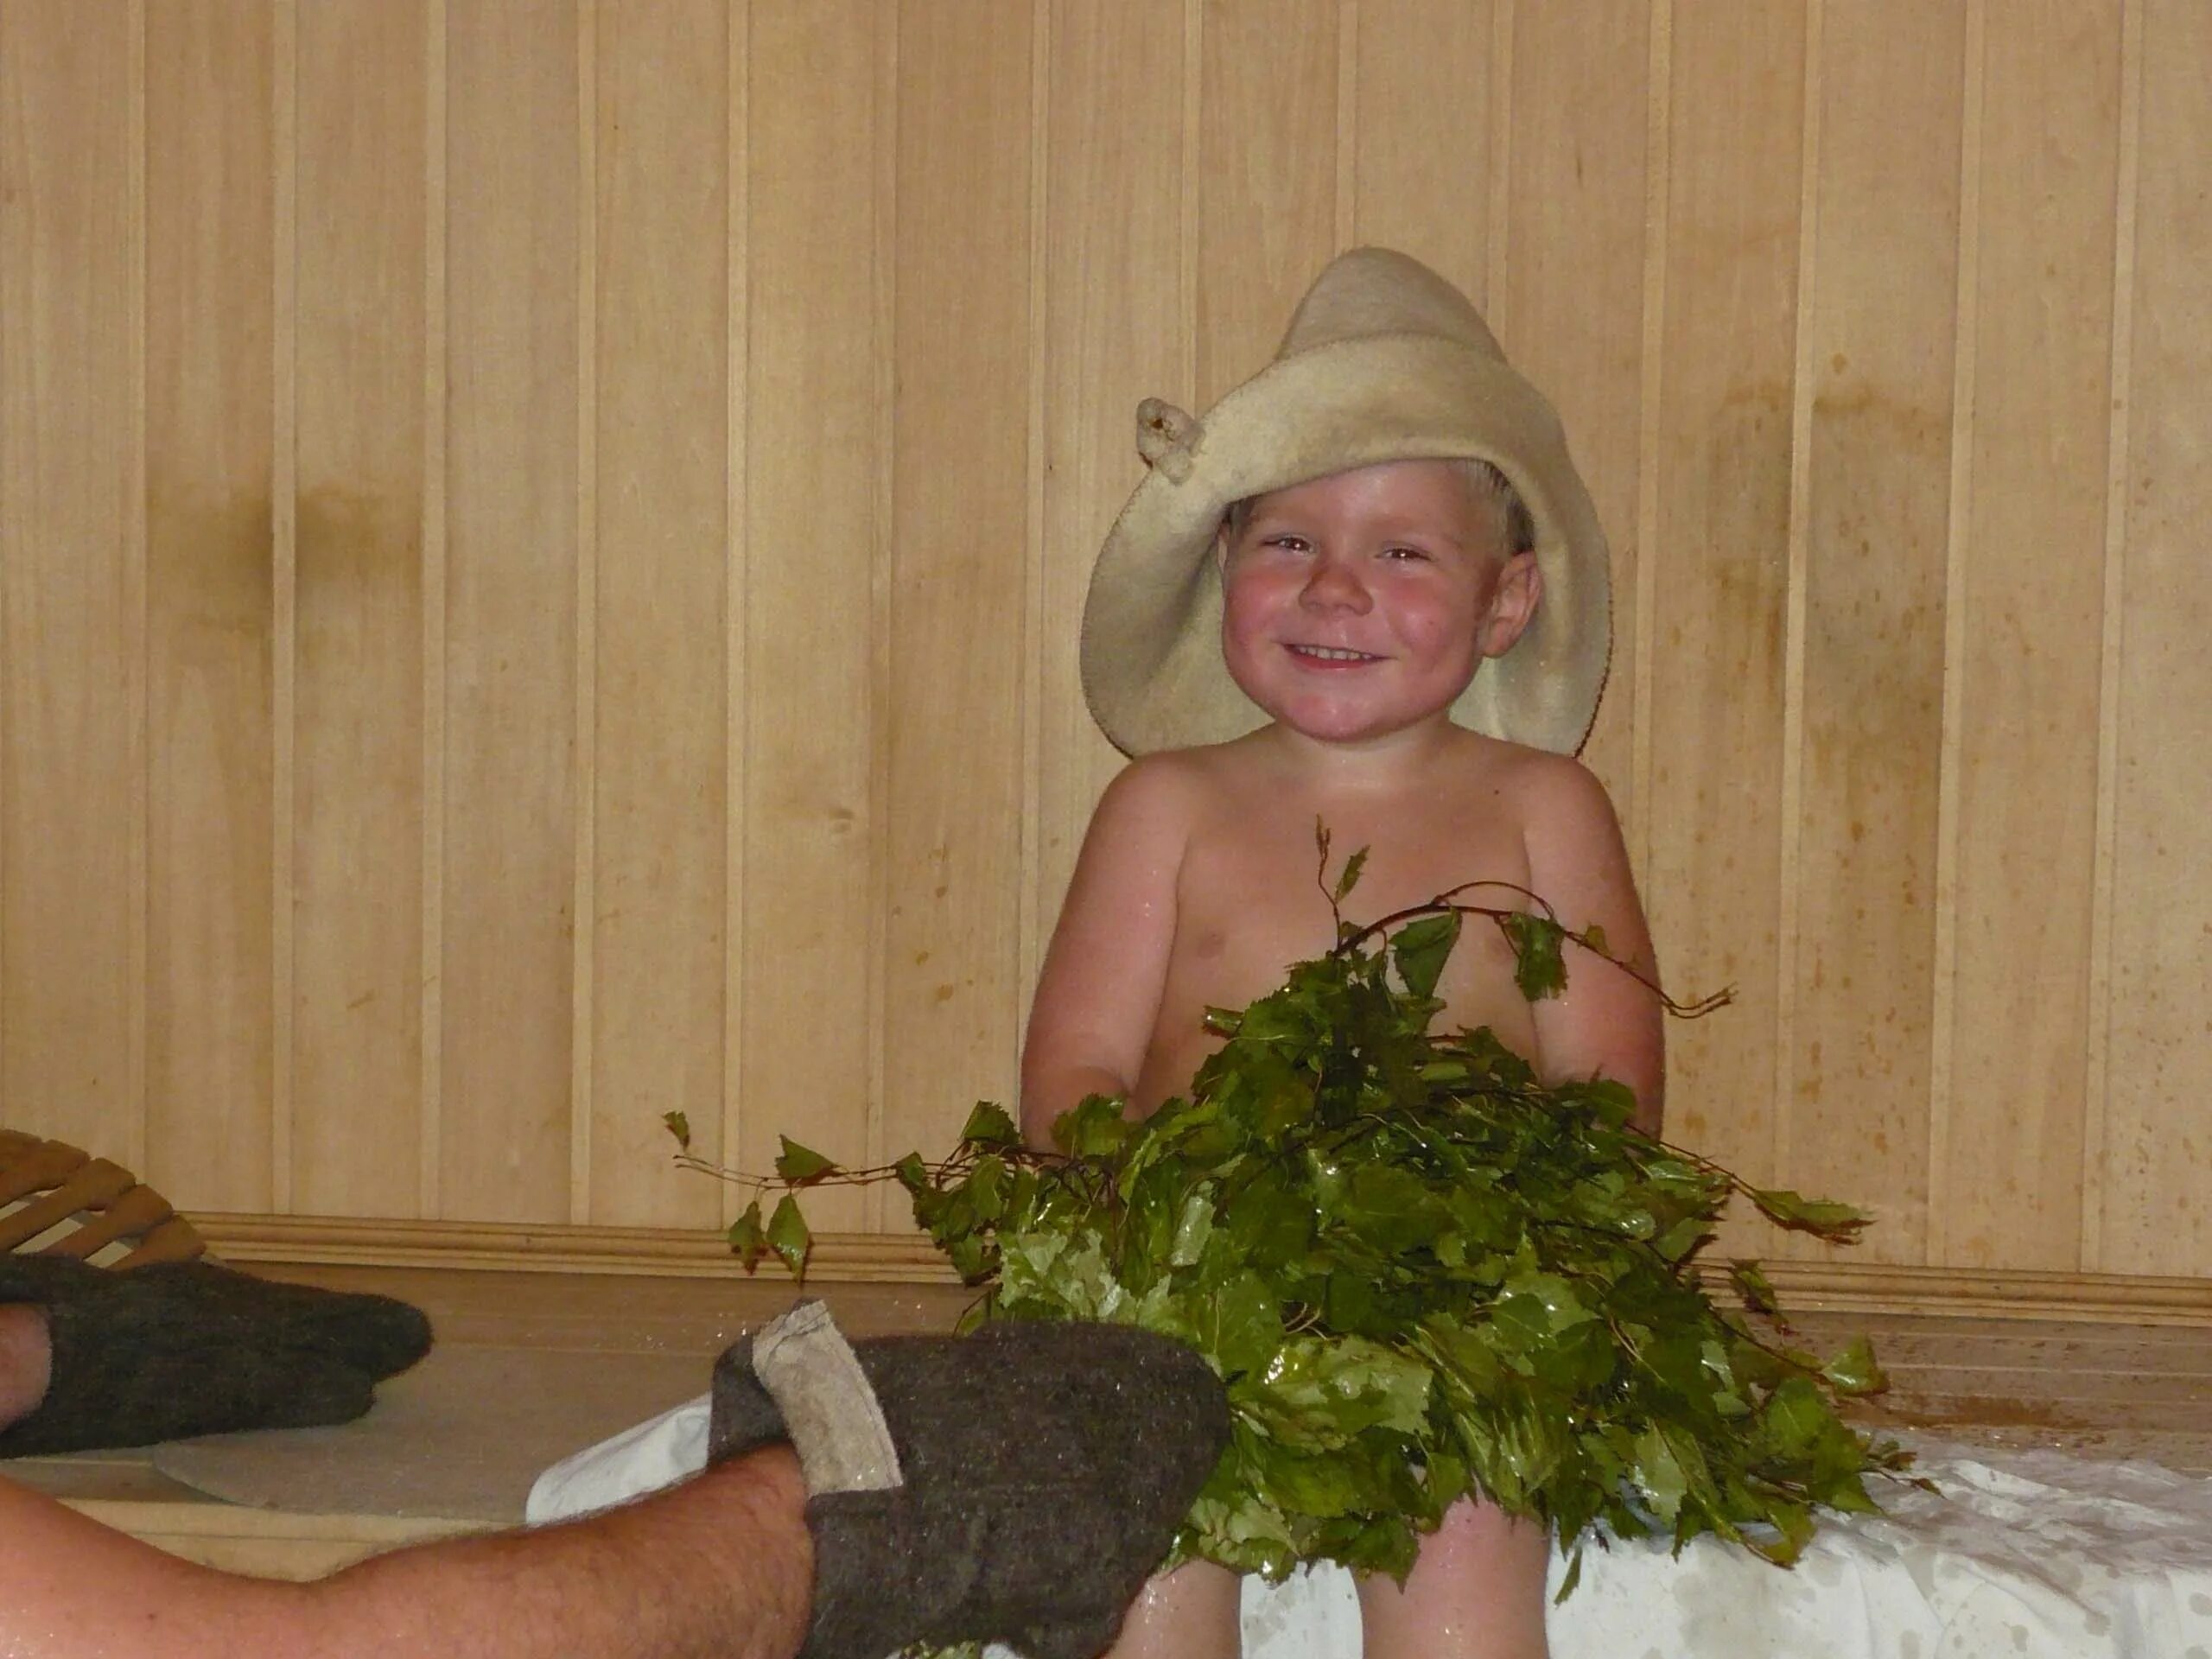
pixel 1151 651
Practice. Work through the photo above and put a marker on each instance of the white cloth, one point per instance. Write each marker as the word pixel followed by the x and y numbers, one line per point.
pixel 2025 1555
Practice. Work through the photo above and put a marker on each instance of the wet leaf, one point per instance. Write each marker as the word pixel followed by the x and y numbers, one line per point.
pixel 990 1125
pixel 789 1235
pixel 1421 1272
pixel 1539 969
pixel 748 1239
pixel 1419 948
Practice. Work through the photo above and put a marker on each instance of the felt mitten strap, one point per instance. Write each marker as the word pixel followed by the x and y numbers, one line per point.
pixel 832 1413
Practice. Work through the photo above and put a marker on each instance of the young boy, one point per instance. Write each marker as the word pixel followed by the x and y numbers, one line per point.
pixel 1286 625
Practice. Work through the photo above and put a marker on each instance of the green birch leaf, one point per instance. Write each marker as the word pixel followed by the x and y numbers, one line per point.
pixel 746 1238
pixel 679 1126
pixel 989 1125
pixel 1419 951
pixel 1240 1327
pixel 1539 969
pixel 801 1165
pixel 1349 878
pixel 789 1235
pixel 1193 1228
pixel 1093 1130
pixel 1854 1371
pixel 1750 1281
pixel 1818 1215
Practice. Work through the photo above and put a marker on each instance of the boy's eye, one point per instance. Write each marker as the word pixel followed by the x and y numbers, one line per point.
pixel 1287 541
pixel 1403 553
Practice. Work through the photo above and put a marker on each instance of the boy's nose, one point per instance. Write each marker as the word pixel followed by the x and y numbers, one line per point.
pixel 1334 586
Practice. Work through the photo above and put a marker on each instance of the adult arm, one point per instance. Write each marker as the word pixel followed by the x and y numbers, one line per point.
pixel 722 1565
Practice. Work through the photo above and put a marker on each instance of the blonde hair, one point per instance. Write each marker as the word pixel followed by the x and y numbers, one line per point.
pixel 1487 485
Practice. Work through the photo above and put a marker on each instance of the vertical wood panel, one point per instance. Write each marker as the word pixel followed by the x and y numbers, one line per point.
pixel 430 1056
pixel 951 1021
pixel 1880 362
pixel 358 696
pixel 813 542
pixel 1724 466
pixel 1113 336
pixel 1421 130
pixel 663 535
pixel 2034 576
pixel 210 236
pixel 691 424
pixel 2156 1146
pixel 1570 297
pixel 510 563
pixel 68 461
pixel 1266 178
pixel 284 546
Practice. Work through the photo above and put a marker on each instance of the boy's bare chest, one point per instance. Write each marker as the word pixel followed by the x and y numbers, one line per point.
pixel 1251 898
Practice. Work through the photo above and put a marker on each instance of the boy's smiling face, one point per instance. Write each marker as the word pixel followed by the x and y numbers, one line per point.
pixel 1359 605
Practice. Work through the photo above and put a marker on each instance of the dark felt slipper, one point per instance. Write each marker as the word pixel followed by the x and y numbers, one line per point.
pixel 156 1345
pixel 377 1335
pixel 139 1357
pixel 1017 1485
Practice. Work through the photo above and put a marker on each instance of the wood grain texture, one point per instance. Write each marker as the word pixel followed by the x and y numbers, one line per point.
pixel 210 411
pixel 1266 178
pixel 2156 1145
pixel 593 630
pixel 358 779
pixel 67 451
pixel 1419 139
pixel 951 1019
pixel 1570 301
pixel 2027 743
pixel 1879 357
pixel 1113 336
pixel 662 452
pixel 1724 465
pixel 508 670
pixel 814 547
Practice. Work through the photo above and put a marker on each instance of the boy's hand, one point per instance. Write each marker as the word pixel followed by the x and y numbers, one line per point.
pixel 1017 1485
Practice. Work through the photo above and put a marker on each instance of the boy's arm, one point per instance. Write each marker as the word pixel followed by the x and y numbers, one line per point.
pixel 1604 1024
pixel 1099 991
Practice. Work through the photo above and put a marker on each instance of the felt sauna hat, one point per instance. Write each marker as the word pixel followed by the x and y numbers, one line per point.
pixel 1384 360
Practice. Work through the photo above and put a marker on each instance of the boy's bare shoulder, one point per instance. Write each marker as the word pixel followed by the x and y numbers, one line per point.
pixel 1541 787
pixel 1157 795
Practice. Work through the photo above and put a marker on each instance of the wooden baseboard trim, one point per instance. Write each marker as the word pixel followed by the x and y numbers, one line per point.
pixel 1992 1293
pixel 1840 1287
pixel 655 1252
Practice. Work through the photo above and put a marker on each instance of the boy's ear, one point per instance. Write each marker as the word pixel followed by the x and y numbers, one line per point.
pixel 1513 601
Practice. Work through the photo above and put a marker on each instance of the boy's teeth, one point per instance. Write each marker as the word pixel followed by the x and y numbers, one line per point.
pixel 1334 655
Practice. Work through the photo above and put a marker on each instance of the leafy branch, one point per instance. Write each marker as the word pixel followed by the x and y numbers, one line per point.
pixel 1421 1272
pixel 1533 932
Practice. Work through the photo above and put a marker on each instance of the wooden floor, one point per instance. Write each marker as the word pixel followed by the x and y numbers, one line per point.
pixel 2101 1390
pixel 533 1365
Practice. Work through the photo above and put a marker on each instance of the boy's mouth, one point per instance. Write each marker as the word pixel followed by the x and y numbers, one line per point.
pixel 1331 655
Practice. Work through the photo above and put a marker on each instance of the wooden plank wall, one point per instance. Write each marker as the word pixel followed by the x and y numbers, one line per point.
pixel 541 543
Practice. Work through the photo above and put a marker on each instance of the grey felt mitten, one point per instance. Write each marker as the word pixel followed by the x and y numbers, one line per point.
pixel 1017 1485
pixel 180 1348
